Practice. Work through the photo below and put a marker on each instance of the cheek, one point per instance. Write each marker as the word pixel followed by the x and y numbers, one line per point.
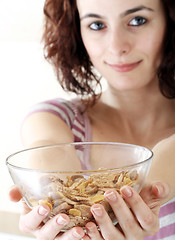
pixel 94 48
pixel 94 51
pixel 153 48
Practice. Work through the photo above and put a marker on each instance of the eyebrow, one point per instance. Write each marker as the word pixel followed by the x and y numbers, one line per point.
pixel 127 12
pixel 136 9
pixel 91 15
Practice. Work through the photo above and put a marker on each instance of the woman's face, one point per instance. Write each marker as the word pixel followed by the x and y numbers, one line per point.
pixel 124 39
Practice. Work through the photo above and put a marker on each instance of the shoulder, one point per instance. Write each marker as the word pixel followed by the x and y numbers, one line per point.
pixel 67 110
pixel 165 144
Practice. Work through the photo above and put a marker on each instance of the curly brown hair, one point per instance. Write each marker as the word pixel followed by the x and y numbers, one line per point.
pixel 64 48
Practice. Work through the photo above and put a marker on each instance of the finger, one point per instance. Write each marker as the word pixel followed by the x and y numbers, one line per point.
pixel 14 194
pixel 24 207
pixel 104 222
pixel 160 190
pixel 75 233
pixel 145 216
pixel 154 195
pixel 31 221
pixel 52 227
pixel 86 238
pixel 157 191
pixel 92 231
pixel 125 217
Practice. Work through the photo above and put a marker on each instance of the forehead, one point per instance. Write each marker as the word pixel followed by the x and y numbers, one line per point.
pixel 115 6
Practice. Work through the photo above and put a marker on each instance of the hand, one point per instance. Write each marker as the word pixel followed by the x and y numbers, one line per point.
pixel 31 221
pixel 136 222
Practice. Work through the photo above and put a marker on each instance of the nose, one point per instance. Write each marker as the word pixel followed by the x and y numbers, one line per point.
pixel 119 42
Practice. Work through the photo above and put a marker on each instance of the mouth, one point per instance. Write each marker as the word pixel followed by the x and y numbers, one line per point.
pixel 124 67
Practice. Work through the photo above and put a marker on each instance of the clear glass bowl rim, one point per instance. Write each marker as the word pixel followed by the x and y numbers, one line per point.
pixel 9 165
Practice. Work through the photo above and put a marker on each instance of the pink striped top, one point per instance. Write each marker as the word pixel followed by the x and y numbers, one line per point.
pixel 73 114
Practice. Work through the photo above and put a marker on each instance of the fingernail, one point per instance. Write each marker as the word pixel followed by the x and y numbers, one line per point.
pixel 111 196
pixel 97 211
pixel 76 234
pixel 42 211
pixel 126 191
pixel 160 189
pixel 62 221
pixel 90 227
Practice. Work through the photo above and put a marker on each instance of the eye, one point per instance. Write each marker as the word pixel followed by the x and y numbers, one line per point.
pixel 96 26
pixel 137 21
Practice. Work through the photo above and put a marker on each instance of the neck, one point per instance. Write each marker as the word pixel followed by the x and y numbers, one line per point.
pixel 139 110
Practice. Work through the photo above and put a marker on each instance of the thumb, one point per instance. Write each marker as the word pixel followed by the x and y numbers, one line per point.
pixel 160 190
pixel 14 194
pixel 155 195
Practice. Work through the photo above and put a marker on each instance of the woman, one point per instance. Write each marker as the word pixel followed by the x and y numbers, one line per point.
pixel 130 44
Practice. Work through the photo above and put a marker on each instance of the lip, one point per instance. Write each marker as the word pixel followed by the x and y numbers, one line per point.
pixel 125 67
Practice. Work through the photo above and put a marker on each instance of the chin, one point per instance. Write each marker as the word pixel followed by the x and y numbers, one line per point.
pixel 125 84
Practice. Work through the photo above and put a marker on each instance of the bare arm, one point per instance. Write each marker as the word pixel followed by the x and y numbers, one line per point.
pixel 44 128
pixel 163 165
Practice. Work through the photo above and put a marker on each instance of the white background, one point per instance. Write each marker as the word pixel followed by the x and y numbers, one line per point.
pixel 25 78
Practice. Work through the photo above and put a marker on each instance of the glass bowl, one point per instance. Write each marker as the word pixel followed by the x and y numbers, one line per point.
pixel 62 176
